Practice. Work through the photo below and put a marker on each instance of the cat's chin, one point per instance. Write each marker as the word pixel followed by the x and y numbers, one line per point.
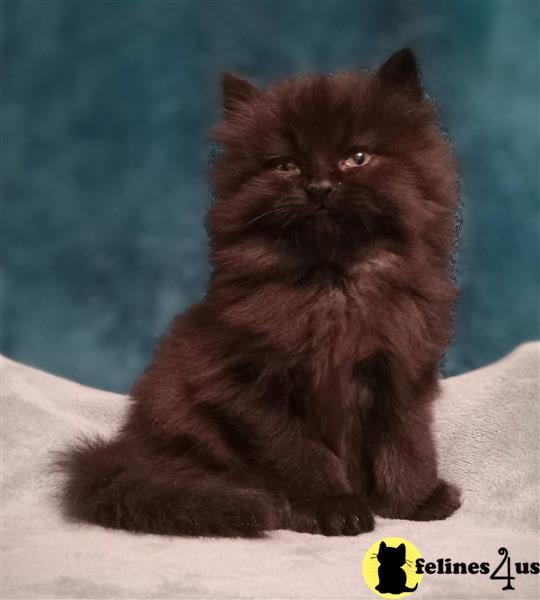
pixel 324 220
pixel 325 235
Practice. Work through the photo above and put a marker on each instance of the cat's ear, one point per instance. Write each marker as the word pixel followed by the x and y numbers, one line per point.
pixel 382 546
pixel 401 548
pixel 401 72
pixel 236 91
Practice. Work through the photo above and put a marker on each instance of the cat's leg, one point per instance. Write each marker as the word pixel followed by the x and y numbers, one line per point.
pixel 405 473
pixel 399 441
pixel 118 486
pixel 315 484
pixel 321 498
pixel 312 477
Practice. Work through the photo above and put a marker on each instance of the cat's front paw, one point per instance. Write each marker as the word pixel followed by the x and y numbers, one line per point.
pixel 440 504
pixel 337 515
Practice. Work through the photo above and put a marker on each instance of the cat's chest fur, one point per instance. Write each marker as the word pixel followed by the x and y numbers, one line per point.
pixel 332 343
pixel 320 324
pixel 322 331
pixel 332 337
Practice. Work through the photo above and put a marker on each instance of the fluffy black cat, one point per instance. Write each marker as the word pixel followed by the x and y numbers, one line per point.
pixel 297 394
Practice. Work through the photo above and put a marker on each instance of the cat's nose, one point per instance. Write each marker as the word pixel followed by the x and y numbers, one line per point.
pixel 318 191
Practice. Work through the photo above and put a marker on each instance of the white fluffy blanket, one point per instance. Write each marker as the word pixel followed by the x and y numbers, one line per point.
pixel 487 433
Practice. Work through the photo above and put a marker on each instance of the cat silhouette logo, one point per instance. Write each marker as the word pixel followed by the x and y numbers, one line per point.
pixel 389 568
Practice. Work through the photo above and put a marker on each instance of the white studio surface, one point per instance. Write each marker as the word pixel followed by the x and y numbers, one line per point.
pixel 487 431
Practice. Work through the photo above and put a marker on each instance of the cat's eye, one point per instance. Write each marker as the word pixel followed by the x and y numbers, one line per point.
pixel 284 165
pixel 358 158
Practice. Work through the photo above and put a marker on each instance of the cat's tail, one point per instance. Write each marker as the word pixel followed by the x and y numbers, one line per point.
pixel 406 589
pixel 108 484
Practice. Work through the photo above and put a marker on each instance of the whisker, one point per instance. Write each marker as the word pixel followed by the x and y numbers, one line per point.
pixel 274 210
pixel 288 222
pixel 265 214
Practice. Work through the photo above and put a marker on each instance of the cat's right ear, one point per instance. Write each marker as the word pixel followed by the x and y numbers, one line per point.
pixel 236 91
pixel 401 72
pixel 382 546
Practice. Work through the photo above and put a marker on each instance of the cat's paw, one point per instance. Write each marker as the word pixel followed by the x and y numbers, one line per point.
pixel 337 515
pixel 252 513
pixel 440 504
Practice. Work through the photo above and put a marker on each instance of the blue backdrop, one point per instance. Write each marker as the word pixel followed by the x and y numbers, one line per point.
pixel 105 111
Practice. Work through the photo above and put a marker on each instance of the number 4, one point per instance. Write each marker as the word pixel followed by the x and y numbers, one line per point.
pixel 506 559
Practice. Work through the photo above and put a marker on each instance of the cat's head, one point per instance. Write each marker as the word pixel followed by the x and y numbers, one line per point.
pixel 390 556
pixel 327 166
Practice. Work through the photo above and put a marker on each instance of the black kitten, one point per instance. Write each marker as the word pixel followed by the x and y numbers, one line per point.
pixel 297 394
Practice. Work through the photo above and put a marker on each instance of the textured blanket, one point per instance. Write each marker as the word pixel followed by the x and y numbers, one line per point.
pixel 487 435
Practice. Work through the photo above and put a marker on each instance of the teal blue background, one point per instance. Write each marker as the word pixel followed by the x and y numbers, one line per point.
pixel 106 106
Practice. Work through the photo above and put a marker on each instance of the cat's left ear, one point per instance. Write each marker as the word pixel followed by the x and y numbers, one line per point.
pixel 236 91
pixel 401 548
pixel 401 72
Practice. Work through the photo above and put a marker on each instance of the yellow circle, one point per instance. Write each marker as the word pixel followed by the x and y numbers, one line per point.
pixel 389 567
